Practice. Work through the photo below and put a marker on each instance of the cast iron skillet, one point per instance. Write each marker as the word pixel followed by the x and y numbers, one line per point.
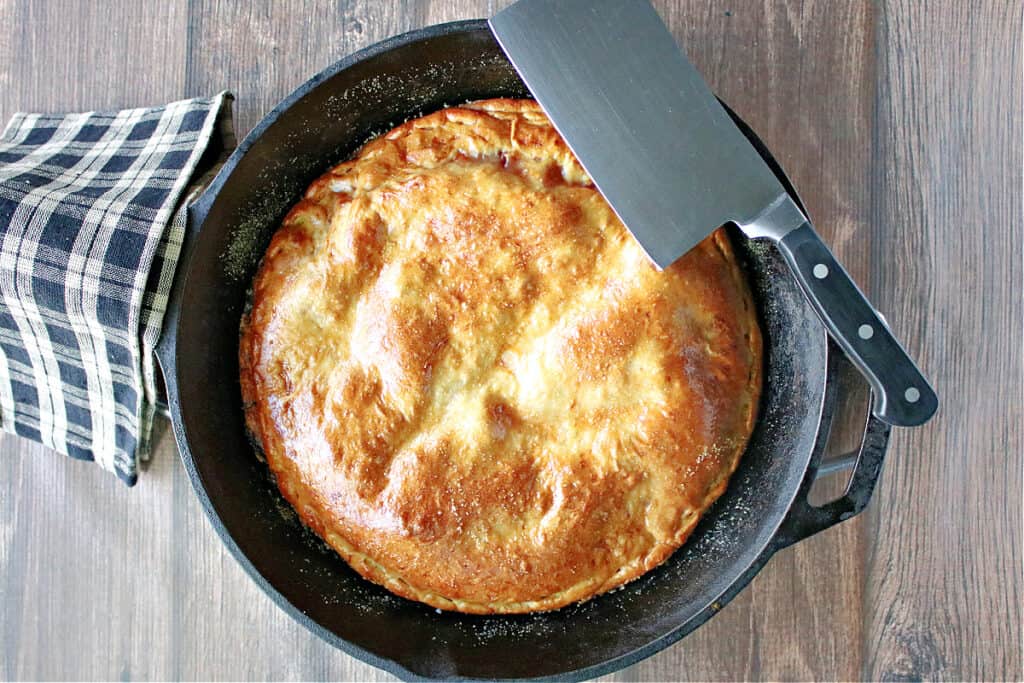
pixel 763 510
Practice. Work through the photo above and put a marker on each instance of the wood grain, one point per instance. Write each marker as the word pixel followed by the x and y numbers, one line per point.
pixel 944 564
pixel 77 56
pixel 899 122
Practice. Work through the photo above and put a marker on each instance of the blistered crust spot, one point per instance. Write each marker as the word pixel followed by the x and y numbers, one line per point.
pixel 468 379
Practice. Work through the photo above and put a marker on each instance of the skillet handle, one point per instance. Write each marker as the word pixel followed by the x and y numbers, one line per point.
pixel 805 520
pixel 197 204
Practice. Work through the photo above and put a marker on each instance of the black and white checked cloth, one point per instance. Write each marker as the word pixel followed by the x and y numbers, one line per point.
pixel 91 224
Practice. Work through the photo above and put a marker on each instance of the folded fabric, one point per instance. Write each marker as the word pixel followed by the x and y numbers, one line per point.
pixel 91 226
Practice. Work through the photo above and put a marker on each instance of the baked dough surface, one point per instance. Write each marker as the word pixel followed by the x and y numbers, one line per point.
pixel 467 378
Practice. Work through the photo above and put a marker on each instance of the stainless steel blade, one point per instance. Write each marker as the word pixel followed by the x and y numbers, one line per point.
pixel 642 121
pixel 674 167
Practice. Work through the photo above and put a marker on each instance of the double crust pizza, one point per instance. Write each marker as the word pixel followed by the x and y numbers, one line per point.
pixel 468 379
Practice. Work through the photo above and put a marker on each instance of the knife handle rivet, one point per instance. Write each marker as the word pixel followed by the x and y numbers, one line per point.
pixel 820 271
pixel 865 331
pixel 912 395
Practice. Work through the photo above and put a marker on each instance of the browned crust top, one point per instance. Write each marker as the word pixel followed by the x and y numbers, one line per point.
pixel 468 379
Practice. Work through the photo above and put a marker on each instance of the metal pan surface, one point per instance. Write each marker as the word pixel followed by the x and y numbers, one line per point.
pixel 763 510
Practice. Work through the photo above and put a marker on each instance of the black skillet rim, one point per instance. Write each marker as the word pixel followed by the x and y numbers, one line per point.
pixel 167 349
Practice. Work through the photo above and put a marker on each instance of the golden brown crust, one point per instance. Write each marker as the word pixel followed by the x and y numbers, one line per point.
pixel 467 378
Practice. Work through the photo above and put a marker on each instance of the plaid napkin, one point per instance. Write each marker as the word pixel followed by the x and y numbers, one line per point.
pixel 91 224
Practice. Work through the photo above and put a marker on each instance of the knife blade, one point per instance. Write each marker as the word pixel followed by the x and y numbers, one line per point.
pixel 674 167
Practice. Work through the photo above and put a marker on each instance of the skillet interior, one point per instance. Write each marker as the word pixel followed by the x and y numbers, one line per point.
pixel 320 124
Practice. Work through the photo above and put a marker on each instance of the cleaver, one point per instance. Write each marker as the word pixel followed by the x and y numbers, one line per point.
pixel 674 167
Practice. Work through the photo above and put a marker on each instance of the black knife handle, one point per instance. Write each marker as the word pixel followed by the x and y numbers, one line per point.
pixel 904 397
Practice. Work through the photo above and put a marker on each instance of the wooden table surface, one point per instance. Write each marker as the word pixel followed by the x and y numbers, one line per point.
pixel 900 124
